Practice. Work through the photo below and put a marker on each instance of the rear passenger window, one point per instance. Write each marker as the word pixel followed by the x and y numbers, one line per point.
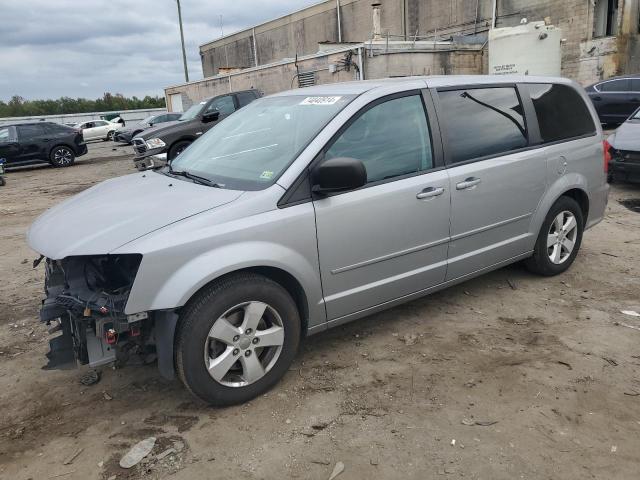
pixel 482 121
pixel 614 86
pixel 245 98
pixel 29 132
pixel 391 139
pixel 635 85
pixel 561 112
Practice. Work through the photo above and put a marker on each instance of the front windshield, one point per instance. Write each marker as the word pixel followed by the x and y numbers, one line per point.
pixel 251 148
pixel 192 112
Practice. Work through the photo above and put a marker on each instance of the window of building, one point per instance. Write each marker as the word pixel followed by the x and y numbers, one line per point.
pixel 391 139
pixel 605 18
pixel 482 121
pixel 561 112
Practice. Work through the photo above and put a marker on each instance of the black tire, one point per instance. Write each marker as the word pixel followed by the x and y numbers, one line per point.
pixel 110 136
pixel 62 156
pixel 203 311
pixel 177 148
pixel 2 182
pixel 540 262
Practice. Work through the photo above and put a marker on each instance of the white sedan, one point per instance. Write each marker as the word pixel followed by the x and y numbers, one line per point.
pixel 98 129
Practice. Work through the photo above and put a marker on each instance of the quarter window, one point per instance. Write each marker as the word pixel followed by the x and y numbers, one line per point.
pixel 482 121
pixel 635 85
pixel 391 139
pixel 561 112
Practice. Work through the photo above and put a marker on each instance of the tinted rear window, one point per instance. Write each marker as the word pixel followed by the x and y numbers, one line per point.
pixel 27 132
pixel 482 121
pixel 614 86
pixel 245 98
pixel 561 112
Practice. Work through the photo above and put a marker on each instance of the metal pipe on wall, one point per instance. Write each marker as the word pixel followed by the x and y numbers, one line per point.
pixel 339 21
pixel 494 16
pixel 255 46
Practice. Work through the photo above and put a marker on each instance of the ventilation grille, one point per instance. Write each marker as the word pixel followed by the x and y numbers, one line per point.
pixel 306 79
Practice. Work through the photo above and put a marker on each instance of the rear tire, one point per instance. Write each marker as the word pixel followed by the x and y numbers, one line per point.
pixel 62 156
pixel 559 239
pixel 236 339
pixel 177 148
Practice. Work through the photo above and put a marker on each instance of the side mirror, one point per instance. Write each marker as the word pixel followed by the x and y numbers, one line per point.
pixel 338 174
pixel 210 117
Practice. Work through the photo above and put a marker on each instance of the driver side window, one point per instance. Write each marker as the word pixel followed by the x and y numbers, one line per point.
pixel 391 139
pixel 224 105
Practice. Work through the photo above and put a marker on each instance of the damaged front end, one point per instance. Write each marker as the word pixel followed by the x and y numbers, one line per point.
pixel 86 299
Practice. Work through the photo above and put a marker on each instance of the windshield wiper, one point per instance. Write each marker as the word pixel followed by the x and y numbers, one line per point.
pixel 194 178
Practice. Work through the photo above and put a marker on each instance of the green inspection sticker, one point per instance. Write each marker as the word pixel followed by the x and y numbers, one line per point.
pixel 266 175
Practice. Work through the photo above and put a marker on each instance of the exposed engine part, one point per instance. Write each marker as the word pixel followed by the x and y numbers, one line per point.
pixel 86 298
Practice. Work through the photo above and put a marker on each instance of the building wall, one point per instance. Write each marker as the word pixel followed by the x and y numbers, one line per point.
pixel 281 76
pixel 583 58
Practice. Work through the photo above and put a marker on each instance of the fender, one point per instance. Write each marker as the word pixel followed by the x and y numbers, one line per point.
pixel 176 289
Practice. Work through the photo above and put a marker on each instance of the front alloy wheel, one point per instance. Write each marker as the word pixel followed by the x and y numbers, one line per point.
pixel 236 338
pixel 244 344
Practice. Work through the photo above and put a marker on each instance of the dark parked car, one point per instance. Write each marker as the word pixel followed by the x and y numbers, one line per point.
pixel 173 138
pixel 616 98
pixel 126 134
pixel 39 142
pixel 623 150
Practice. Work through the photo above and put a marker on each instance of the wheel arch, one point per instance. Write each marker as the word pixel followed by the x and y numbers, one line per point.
pixel 573 185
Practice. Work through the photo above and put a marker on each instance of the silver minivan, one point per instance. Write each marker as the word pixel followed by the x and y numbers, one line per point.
pixel 313 207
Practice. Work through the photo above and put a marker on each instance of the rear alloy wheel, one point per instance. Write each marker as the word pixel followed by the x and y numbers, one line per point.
pixel 62 156
pixel 559 238
pixel 236 339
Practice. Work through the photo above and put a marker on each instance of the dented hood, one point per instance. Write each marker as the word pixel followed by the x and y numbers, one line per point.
pixel 117 211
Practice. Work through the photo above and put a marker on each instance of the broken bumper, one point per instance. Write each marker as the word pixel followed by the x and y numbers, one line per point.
pixel 85 304
pixel 151 162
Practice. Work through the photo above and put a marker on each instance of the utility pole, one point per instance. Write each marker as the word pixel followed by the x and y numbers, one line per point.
pixel 184 54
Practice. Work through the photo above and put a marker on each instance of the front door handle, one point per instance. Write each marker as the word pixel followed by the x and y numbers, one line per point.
pixel 430 192
pixel 468 184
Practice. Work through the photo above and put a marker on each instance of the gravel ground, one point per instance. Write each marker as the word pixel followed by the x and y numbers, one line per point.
pixel 506 376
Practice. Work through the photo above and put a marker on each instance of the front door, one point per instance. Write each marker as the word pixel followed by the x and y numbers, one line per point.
pixel 389 238
pixel 495 182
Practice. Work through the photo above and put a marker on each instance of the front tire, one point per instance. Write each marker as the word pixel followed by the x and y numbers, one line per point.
pixel 62 156
pixel 110 136
pixel 559 239
pixel 177 148
pixel 236 339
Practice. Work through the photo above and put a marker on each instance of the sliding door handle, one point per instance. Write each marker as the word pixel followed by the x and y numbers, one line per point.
pixel 430 192
pixel 469 183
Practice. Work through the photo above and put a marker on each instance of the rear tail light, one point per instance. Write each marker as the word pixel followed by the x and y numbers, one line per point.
pixel 607 155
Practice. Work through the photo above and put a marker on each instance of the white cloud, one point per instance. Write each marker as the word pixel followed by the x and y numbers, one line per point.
pixel 50 49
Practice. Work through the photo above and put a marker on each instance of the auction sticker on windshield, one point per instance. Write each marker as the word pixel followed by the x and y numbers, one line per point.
pixel 320 100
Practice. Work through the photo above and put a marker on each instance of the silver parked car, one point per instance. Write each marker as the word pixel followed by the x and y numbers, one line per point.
pixel 313 207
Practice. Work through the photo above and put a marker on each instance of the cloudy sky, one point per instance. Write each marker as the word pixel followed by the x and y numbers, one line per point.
pixel 54 48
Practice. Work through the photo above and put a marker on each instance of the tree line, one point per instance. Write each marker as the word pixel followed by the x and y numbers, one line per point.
pixel 20 107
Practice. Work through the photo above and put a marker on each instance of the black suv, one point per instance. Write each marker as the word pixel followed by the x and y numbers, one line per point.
pixel 173 138
pixel 616 98
pixel 38 142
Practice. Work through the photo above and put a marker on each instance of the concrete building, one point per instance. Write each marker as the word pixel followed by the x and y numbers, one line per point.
pixel 411 37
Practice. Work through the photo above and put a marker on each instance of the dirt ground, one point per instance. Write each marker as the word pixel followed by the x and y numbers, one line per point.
pixel 506 376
